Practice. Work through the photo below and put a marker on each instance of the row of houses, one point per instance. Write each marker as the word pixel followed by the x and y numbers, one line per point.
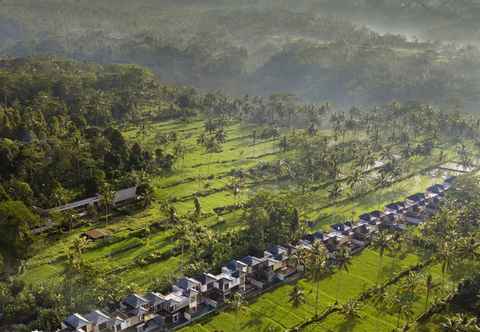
pixel 191 298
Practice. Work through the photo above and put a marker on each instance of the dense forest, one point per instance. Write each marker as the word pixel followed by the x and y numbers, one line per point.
pixel 345 133
pixel 71 129
pixel 312 50
pixel 58 131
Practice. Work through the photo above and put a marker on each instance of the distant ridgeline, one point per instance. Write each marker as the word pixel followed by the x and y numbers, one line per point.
pixel 209 45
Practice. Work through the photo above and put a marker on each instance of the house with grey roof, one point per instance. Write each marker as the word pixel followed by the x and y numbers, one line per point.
pixel 178 306
pixel 155 300
pixel 436 189
pixel 278 258
pixel 136 309
pixel 122 196
pixel 99 321
pixel 155 311
pixel 395 208
pixel 415 200
pixel 119 321
pixel 76 323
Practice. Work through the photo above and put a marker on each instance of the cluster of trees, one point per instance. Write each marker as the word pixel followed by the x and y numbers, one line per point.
pixel 61 139
pixel 60 124
pixel 213 136
pixel 386 138
pixel 25 308
pixel 268 219
pixel 210 45
pixel 450 240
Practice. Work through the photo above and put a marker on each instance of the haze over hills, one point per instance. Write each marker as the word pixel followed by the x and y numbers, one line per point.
pixel 309 48
pixel 239 165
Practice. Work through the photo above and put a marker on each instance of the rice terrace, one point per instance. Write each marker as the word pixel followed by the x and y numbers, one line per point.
pixel 228 167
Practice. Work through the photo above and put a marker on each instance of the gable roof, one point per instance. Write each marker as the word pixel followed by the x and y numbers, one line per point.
pixel 119 316
pixel 436 189
pixel 365 216
pixel 176 297
pixel 235 265
pixel 96 234
pixel 376 214
pixel 135 301
pixel 338 227
pixel 397 206
pixel 76 321
pixel 278 250
pixel 187 283
pixel 97 317
pixel 125 194
pixel 155 298
pixel 450 179
pixel 251 260
pixel 418 197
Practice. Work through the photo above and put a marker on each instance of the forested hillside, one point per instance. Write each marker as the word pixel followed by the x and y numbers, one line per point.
pixel 313 49
pixel 225 165
pixel 220 177
pixel 59 126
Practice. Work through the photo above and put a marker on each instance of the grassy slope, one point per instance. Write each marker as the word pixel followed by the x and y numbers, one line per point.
pixel 238 153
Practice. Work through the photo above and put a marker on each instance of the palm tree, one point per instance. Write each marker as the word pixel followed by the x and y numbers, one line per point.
pixel 410 284
pixel 235 187
pixel 354 179
pixel 182 233
pixel 380 297
pixel 299 258
pixel 430 285
pixel 146 193
pixel 198 207
pixel 445 257
pixel 402 306
pixel 460 323
pixel 381 242
pixel 464 156
pixel 108 197
pixel 170 211
pixel 236 303
pixel 221 136
pixel 468 248
pixel 75 252
pixel 297 296
pixel 272 328
pixel 351 310
pixel 179 151
pixel 343 262
pixel 317 267
pixel 334 193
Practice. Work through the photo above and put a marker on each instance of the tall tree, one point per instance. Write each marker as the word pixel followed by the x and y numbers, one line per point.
pixel 296 296
pixel 317 266
pixel 343 263
pixel 236 303
pixel 381 242
pixel 430 286
pixel 108 196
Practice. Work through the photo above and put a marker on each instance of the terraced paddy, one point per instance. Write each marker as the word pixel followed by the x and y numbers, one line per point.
pixel 273 309
pixel 210 175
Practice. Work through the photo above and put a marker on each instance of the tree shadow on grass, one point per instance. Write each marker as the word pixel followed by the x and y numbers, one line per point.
pixel 348 325
pixel 255 320
pixel 391 269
